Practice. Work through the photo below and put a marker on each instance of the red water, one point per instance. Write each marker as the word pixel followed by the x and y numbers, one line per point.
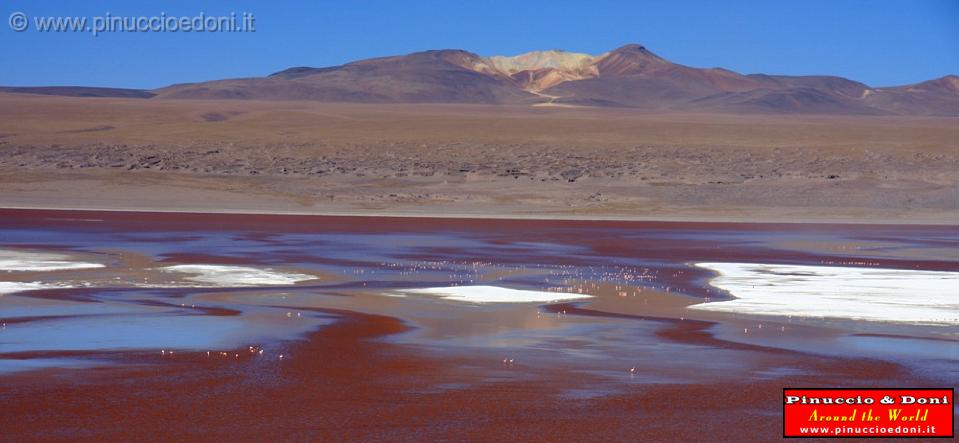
pixel 334 358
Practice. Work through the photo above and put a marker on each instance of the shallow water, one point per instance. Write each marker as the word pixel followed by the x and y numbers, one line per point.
pixel 251 281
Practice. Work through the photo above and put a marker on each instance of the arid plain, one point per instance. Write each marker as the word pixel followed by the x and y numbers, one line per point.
pixel 474 160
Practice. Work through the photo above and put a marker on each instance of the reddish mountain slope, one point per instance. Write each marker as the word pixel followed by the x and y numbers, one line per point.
pixel 446 76
pixel 630 76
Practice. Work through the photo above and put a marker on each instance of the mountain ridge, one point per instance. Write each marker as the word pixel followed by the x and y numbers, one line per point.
pixel 630 76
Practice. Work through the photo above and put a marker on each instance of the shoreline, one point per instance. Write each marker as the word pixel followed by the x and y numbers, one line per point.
pixel 373 213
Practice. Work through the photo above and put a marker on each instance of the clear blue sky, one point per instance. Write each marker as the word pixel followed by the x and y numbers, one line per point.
pixel 878 42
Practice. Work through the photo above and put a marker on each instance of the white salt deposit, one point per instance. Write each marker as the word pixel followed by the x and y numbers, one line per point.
pixel 11 260
pixel 492 294
pixel 874 294
pixel 10 287
pixel 222 275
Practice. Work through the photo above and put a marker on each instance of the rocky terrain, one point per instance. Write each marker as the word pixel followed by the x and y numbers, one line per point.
pixel 473 160
pixel 655 165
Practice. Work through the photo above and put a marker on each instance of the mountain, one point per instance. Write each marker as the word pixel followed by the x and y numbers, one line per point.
pixel 629 77
pixel 930 97
pixel 444 76
pixel 78 91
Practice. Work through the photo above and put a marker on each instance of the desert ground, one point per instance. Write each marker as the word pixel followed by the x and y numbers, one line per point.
pixel 474 161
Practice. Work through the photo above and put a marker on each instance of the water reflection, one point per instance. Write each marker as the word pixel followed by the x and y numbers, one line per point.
pixel 641 276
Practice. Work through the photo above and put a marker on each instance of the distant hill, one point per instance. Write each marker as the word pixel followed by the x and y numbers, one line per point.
pixel 447 76
pixel 628 77
pixel 78 91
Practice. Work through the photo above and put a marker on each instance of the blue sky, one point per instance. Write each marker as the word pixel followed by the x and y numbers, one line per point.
pixel 878 42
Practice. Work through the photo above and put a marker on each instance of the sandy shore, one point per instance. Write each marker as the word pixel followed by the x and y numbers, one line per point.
pixel 259 207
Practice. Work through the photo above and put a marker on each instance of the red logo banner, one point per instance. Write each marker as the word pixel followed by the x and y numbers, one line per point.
pixel 926 413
